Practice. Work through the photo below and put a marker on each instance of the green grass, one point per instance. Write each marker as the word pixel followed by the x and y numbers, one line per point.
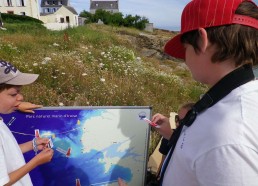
pixel 92 66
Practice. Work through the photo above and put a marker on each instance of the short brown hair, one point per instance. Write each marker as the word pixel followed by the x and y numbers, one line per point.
pixel 234 41
pixel 4 86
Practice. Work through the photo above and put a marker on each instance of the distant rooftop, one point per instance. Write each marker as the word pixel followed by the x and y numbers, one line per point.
pixel 104 4
pixel 56 3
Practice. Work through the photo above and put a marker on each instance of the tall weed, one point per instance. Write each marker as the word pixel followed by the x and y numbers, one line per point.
pixel 91 66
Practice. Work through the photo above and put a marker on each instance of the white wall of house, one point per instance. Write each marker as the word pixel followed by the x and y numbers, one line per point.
pixel 63 12
pixel 59 19
pixel 20 7
pixel 51 18
pixel 56 26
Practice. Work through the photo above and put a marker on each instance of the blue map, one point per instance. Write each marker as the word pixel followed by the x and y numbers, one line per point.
pixel 91 146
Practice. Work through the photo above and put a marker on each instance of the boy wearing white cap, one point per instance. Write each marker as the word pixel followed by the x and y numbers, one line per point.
pixel 216 142
pixel 14 170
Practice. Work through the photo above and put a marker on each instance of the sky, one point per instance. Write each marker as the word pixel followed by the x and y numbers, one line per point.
pixel 164 14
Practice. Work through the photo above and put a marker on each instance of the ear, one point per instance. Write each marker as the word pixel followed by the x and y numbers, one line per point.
pixel 203 41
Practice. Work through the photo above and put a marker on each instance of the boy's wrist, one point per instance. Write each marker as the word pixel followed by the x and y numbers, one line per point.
pixel 34 145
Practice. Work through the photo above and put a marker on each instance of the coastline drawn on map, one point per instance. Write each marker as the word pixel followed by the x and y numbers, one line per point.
pixel 92 145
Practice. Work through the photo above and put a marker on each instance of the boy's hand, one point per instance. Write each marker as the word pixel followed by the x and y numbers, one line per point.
pixel 44 156
pixel 121 182
pixel 28 107
pixel 42 143
pixel 165 128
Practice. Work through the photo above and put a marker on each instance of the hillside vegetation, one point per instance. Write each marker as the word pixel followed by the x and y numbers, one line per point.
pixel 115 19
pixel 93 65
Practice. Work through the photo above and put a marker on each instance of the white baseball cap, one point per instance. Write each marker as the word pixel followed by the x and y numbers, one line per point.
pixel 12 76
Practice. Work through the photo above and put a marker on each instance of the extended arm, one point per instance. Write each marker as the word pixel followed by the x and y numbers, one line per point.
pixel 28 107
pixel 43 157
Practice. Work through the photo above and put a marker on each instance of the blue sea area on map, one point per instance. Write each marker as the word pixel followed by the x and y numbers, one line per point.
pixel 67 127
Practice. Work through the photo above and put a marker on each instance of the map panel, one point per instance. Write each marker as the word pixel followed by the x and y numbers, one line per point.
pixel 92 145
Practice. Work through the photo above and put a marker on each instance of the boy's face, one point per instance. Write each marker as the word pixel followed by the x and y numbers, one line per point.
pixel 198 63
pixel 10 99
pixel 192 61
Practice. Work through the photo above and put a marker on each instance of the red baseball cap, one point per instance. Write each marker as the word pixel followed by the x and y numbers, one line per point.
pixel 204 14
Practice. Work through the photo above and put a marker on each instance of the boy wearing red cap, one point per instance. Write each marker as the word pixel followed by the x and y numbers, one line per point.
pixel 13 169
pixel 216 142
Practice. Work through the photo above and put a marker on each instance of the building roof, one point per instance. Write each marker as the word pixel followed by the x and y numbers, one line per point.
pixel 54 3
pixel 104 5
pixel 71 9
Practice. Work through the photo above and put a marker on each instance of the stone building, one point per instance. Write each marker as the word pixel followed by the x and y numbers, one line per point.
pixel 107 5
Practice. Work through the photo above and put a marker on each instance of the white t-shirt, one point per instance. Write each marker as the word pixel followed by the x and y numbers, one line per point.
pixel 11 157
pixel 221 147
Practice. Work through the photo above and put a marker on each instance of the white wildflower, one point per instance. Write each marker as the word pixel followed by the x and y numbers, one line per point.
pixel 47 58
pixel 101 65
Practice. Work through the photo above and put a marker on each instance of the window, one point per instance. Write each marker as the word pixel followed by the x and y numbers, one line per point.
pixel 61 20
pixel 10 12
pixel 9 3
pixel 23 13
pixel 47 10
pixel 22 3
pixel 67 19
